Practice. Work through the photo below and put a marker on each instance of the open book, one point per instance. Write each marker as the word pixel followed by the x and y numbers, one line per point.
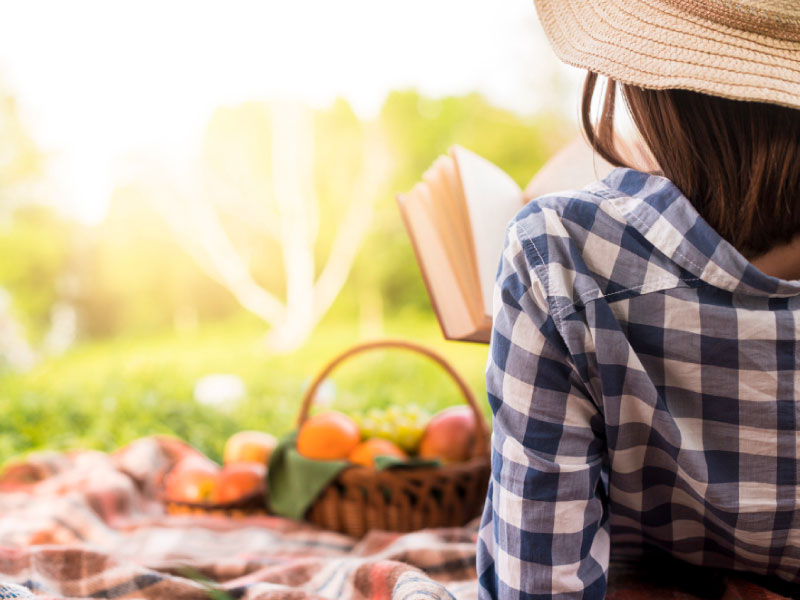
pixel 456 219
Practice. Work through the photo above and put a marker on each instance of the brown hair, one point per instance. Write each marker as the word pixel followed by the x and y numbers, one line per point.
pixel 737 162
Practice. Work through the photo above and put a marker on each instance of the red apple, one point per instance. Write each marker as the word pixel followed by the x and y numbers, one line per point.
pixel 450 435
pixel 249 446
pixel 239 480
pixel 192 479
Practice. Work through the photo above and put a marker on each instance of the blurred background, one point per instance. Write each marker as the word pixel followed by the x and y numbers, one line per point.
pixel 197 202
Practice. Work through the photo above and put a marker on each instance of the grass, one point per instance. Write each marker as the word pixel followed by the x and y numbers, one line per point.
pixel 105 394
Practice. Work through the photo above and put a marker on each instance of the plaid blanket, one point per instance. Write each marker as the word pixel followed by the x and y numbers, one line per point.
pixel 87 524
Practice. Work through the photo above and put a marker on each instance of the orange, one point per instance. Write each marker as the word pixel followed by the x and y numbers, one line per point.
pixel 328 436
pixel 365 453
pixel 249 447
pixel 239 480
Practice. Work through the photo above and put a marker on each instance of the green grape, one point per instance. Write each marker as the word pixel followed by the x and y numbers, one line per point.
pixel 368 427
pixel 408 435
pixel 413 411
pixel 385 431
pixel 392 413
pixel 402 425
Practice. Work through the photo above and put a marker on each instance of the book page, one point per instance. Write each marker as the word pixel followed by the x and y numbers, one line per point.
pixel 450 218
pixel 492 199
pixel 446 294
pixel 452 222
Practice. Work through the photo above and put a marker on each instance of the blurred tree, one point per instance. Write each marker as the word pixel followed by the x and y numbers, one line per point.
pixel 133 276
pixel 262 171
pixel 132 273
pixel 39 240
pixel 20 169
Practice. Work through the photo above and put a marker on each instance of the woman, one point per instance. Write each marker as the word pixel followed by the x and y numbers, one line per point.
pixel 644 370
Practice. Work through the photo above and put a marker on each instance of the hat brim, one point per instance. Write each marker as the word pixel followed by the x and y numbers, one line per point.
pixel 652 44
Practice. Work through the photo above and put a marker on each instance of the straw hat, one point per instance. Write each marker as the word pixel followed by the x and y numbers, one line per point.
pixel 741 49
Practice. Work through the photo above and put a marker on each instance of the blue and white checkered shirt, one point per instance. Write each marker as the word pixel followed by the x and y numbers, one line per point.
pixel 644 380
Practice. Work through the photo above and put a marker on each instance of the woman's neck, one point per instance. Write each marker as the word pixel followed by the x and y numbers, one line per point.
pixel 782 261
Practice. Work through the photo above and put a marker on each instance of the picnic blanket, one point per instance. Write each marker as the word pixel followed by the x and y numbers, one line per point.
pixel 88 524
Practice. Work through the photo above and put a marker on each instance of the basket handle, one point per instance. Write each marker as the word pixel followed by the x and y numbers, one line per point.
pixel 481 447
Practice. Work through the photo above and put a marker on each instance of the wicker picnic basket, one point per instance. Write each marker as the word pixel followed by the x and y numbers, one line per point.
pixel 403 499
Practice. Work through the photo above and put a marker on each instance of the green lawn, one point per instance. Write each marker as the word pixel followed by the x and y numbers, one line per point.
pixel 106 393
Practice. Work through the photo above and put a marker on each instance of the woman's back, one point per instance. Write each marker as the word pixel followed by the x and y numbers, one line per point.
pixel 643 373
pixel 643 378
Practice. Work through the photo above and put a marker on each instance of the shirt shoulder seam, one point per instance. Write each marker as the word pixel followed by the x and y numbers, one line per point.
pixel 657 286
pixel 558 310
pixel 528 238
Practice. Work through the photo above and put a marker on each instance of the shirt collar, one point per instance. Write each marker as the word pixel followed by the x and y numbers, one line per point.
pixel 655 207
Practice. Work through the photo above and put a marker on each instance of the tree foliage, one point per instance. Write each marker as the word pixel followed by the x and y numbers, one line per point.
pixel 129 273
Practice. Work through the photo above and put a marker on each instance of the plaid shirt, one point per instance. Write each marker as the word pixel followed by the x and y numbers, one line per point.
pixel 643 377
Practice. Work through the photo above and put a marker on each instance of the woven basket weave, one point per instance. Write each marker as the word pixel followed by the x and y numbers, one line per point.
pixel 403 499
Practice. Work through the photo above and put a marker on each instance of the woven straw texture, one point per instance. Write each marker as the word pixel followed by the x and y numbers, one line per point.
pixel 744 50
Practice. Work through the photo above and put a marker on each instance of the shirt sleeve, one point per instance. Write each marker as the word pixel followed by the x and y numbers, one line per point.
pixel 544 532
